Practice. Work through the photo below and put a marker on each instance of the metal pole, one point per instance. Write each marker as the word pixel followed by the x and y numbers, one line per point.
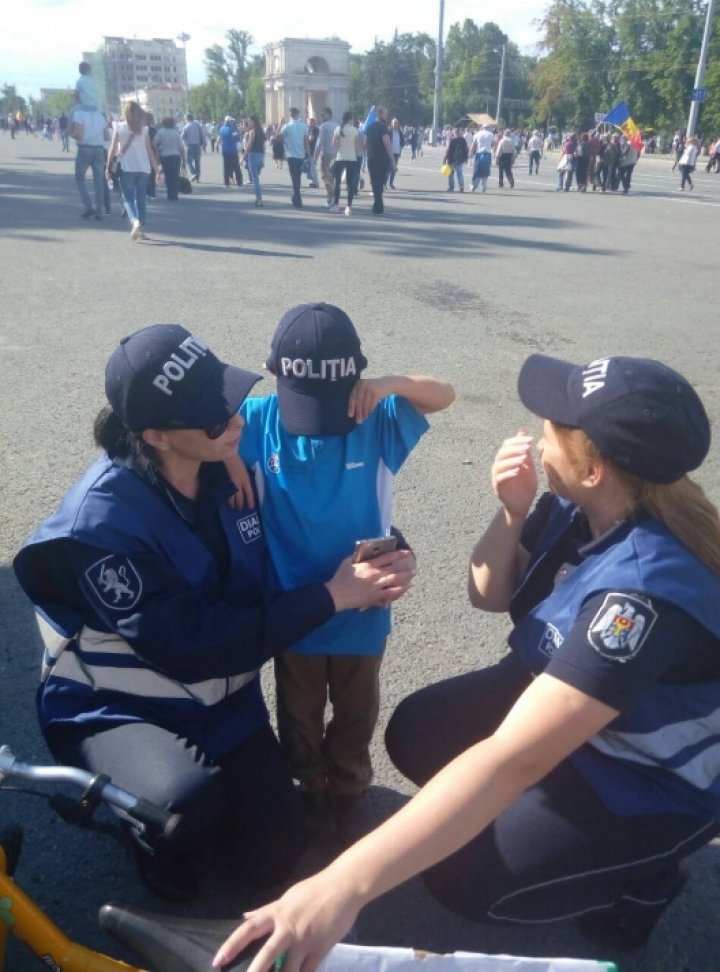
pixel 502 82
pixel 184 38
pixel 700 73
pixel 438 76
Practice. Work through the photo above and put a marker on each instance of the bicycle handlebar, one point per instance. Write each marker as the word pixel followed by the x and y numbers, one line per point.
pixel 162 821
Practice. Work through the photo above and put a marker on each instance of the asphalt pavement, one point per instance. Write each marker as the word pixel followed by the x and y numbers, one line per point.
pixel 462 286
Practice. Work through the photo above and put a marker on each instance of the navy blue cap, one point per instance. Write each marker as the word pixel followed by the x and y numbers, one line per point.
pixel 641 414
pixel 315 356
pixel 165 377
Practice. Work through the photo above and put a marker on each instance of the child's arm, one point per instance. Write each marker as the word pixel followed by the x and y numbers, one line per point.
pixel 425 393
pixel 238 473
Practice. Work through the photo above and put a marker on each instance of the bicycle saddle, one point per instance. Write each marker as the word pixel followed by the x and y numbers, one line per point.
pixel 170 943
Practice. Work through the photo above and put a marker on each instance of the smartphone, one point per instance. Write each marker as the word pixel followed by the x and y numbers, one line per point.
pixel 367 549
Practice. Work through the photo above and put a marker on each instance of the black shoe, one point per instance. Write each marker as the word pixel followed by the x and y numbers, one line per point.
pixel 319 817
pixel 88 213
pixel 169 877
pixel 98 217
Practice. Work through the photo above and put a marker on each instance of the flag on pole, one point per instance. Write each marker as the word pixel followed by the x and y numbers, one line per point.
pixel 371 117
pixel 619 116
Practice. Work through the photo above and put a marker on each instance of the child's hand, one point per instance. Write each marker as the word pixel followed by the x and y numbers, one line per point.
pixel 238 472
pixel 365 395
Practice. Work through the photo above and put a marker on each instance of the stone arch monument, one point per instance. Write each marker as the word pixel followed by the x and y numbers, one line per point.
pixel 306 74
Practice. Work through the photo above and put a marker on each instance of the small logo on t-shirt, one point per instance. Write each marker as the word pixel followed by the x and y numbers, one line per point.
pixel 621 626
pixel 249 527
pixel 354 465
pixel 115 582
pixel 273 463
pixel 551 640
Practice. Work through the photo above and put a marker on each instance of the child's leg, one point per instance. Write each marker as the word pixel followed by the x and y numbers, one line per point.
pixel 354 682
pixel 301 685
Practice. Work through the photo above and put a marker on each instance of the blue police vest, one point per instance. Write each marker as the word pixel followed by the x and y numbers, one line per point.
pixel 672 734
pixel 91 675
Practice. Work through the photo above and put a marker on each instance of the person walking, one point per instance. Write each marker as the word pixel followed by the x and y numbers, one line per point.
pixel 456 156
pixel 504 158
pixel 87 126
pixel 255 155
pixel 348 146
pixel 229 148
pixel 295 137
pixel 193 134
pixel 687 162
pixel 380 158
pixel 628 160
pixel 534 147
pixel 131 145
pixel 324 153
pixel 481 154
pixel 170 151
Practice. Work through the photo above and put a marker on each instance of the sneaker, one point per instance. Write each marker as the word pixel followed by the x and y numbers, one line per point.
pixel 141 234
pixel 348 211
pixel 258 202
pixel 135 229
pixel 98 217
pixel 334 209
pixel 88 213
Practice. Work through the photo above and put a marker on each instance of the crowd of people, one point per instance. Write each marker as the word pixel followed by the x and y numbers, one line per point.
pixel 135 156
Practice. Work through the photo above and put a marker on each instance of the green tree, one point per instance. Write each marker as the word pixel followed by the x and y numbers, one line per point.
pixel 237 73
pixel 10 101
pixel 398 74
pixel 473 58
pixel 58 102
pixel 575 78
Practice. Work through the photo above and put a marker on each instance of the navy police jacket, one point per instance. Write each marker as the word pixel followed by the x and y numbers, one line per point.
pixel 664 749
pixel 141 621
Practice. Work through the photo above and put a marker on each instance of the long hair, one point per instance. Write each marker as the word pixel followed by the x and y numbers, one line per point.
pixel 134 116
pixel 681 506
pixel 119 442
pixel 346 120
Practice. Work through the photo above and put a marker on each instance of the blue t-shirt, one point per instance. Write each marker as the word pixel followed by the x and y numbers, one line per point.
pixel 318 496
pixel 294 135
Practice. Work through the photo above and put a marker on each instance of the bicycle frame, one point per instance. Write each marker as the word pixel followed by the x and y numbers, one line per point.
pixel 21 916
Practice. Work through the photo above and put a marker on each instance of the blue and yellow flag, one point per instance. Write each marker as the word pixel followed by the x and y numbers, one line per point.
pixel 619 116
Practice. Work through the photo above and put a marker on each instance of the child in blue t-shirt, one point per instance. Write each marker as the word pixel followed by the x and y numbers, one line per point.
pixel 324 451
pixel 85 91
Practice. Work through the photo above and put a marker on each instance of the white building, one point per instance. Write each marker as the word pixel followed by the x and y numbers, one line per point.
pixel 163 100
pixel 126 64
pixel 306 74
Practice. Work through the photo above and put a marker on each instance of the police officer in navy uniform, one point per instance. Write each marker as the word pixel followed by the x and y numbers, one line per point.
pixel 156 611
pixel 570 779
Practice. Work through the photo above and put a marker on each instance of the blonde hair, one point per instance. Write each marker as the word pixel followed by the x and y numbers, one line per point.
pixel 134 116
pixel 681 506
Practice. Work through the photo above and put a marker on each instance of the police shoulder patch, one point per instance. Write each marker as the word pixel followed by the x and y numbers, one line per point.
pixel 115 582
pixel 621 626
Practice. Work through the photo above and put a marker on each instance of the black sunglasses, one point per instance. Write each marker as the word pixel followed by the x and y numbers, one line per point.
pixel 215 431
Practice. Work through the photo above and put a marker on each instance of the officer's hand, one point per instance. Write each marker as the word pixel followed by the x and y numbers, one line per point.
pixel 514 478
pixel 238 472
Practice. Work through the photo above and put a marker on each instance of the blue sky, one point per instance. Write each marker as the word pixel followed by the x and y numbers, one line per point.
pixel 41 40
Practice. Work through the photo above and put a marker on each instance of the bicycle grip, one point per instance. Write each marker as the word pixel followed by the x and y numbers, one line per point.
pixel 162 822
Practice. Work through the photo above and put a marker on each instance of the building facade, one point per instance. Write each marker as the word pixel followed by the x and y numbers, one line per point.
pixel 163 100
pixel 128 64
pixel 306 74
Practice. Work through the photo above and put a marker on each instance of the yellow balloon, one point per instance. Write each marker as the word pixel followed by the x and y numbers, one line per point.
pixel 446 170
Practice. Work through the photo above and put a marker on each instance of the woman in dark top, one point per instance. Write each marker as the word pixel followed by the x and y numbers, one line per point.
pixel 255 155
pixel 157 611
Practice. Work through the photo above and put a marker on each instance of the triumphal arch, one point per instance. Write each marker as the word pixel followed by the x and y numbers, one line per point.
pixel 306 74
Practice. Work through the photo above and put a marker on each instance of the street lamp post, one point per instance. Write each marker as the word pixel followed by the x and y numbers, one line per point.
pixel 700 73
pixel 501 83
pixel 184 38
pixel 438 76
